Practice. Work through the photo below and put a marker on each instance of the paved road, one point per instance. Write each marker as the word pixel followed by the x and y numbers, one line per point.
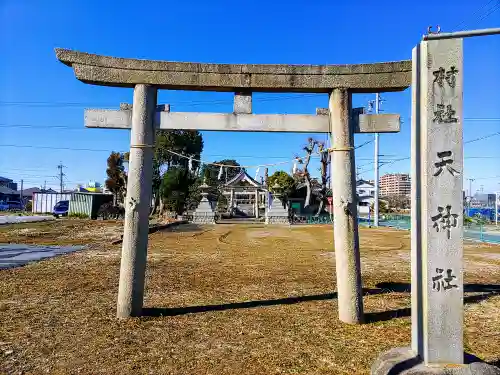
pixel 12 255
pixel 13 219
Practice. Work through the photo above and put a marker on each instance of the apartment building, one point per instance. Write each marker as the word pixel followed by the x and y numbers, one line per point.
pixel 395 184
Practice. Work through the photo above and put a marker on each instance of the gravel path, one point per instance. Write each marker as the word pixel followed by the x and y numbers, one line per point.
pixel 11 219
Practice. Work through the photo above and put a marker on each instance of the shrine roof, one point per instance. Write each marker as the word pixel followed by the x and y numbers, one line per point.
pixel 243 177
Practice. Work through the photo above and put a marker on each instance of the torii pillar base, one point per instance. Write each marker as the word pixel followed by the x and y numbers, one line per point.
pixel 404 361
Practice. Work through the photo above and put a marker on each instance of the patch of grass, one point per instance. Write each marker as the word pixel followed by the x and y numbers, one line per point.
pixel 61 232
pixel 261 301
pixel 78 215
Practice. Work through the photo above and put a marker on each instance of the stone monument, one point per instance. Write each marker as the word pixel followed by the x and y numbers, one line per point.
pixel 278 212
pixel 204 213
pixel 437 222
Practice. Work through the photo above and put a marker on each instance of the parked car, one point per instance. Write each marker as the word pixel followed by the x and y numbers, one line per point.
pixel 4 206
pixel 61 209
pixel 15 205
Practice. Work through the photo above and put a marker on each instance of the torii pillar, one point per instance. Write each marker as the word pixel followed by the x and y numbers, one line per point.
pixel 146 76
pixel 138 201
pixel 345 229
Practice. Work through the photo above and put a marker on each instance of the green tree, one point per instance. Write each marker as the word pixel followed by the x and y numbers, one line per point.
pixel 211 172
pixel 171 147
pixel 176 189
pixel 382 207
pixel 211 175
pixel 117 180
pixel 286 183
pixel 170 143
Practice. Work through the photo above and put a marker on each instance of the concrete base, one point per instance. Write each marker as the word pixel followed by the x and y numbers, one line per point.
pixel 403 361
pixel 204 213
pixel 277 214
pixel 203 219
pixel 277 220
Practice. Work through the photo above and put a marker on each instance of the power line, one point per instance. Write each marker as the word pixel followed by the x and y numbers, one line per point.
pixel 56 148
pixel 42 126
pixel 227 157
pixel 364 165
pixel 172 103
pixel 473 15
pixel 28 175
pixel 484 137
pixel 491 11
pixel 108 150
pixel 24 170
pixel 79 127
pixel 485 178
pixel 364 144
pixel 482 157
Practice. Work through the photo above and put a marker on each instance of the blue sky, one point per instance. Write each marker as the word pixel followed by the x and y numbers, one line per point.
pixel 38 91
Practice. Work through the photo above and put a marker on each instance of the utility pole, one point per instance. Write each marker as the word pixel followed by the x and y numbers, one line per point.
pixel 377 165
pixel 470 186
pixel 497 197
pixel 470 194
pixel 22 198
pixel 61 175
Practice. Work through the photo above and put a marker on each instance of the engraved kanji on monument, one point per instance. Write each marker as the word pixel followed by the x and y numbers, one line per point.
pixel 442 206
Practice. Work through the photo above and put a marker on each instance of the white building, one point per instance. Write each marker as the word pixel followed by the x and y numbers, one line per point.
pixel 245 194
pixel 366 196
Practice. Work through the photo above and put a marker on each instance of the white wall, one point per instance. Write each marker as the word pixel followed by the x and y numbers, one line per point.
pixel 44 202
pixel 364 205
pixel 365 190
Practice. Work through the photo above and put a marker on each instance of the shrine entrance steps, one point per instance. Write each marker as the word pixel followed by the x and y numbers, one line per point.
pixel 241 220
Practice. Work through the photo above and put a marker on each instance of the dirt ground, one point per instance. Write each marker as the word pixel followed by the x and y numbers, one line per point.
pixel 220 300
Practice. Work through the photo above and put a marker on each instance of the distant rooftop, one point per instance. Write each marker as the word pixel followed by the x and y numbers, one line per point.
pixel 5 179
pixel 364 182
pixel 7 191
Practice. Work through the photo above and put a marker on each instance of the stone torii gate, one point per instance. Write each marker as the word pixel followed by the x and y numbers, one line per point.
pixel 147 76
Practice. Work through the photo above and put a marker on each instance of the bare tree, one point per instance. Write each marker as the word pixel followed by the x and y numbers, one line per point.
pixel 304 172
pixel 324 178
pixel 398 202
pixel 305 175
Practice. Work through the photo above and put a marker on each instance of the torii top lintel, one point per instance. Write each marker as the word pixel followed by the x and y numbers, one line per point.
pixel 124 72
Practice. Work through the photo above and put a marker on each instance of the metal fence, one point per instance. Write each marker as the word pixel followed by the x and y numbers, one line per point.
pixel 310 219
pixel 472 231
pixel 475 232
pixel 482 232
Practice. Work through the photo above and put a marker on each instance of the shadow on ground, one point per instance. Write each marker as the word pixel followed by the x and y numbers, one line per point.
pixel 391 287
pixel 179 226
pixel 172 311
pixel 487 290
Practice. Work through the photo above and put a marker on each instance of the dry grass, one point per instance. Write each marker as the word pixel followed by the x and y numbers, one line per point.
pixel 234 299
